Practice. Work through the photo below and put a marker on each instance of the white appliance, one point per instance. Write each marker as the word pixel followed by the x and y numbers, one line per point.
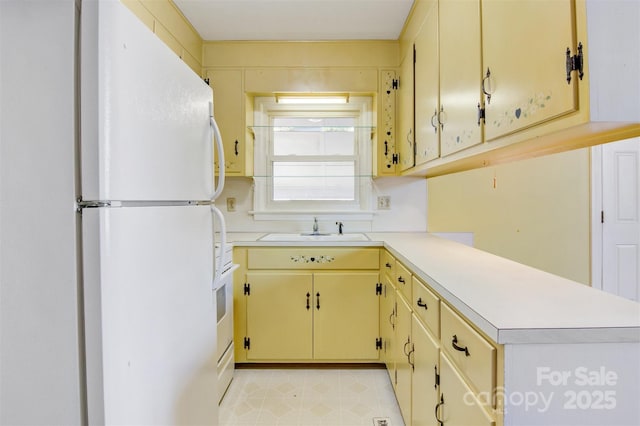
pixel 127 217
pixel 224 312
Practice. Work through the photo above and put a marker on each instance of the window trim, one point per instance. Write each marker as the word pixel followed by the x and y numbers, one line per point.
pixel 267 209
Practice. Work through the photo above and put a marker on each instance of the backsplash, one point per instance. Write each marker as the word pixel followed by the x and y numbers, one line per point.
pixel 407 212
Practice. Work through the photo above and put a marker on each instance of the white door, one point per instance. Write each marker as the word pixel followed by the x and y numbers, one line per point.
pixel 619 218
pixel 145 119
pixel 150 316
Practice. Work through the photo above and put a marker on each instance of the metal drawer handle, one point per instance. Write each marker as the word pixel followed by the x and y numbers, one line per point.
pixel 401 280
pixel 308 295
pixel 459 348
pixel 318 301
pixel 421 303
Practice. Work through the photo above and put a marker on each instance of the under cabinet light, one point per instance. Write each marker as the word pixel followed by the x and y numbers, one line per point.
pixel 312 98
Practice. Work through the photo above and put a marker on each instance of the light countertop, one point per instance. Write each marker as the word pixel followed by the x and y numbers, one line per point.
pixel 510 302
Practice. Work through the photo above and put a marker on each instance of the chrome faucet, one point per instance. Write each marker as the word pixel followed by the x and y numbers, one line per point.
pixel 340 226
pixel 315 225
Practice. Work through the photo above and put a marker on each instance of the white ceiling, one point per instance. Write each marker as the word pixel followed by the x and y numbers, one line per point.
pixel 296 19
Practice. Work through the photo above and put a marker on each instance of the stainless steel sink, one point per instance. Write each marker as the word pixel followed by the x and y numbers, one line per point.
pixel 315 237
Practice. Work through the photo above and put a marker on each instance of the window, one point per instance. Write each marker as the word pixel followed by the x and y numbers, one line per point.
pixel 312 158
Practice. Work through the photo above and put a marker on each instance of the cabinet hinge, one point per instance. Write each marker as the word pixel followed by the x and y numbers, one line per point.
pixel 482 113
pixel 394 84
pixel 394 158
pixel 378 288
pixel 574 63
pixel 247 289
pixel 379 343
pixel 206 80
pixel 247 343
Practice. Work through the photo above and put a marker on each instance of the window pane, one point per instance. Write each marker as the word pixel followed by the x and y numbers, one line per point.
pixel 314 181
pixel 313 136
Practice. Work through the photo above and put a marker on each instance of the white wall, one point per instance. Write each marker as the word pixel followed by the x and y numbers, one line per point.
pixel 408 209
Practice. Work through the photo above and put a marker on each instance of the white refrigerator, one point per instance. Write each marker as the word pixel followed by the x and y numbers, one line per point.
pixel 133 273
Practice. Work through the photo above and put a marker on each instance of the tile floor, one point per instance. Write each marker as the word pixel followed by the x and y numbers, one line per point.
pixel 310 397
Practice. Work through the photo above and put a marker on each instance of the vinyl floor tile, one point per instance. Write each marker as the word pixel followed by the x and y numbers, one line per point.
pixel 309 397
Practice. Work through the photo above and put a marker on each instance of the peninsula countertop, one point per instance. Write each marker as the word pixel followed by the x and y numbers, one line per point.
pixel 510 302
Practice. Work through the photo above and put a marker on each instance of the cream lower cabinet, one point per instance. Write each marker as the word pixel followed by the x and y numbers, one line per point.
pixel 345 313
pixel 402 348
pixel 301 305
pixel 425 375
pixel 444 372
pixel 278 322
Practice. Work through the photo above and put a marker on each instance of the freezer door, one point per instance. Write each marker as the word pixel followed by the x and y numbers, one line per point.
pixel 145 115
pixel 150 316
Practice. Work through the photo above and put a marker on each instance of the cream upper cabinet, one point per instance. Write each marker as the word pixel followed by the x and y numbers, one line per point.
pixel 229 111
pixel 524 57
pixel 405 136
pixel 427 101
pixel 460 70
pixel 386 160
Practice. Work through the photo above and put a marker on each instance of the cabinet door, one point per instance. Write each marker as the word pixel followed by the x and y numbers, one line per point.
pixel 387 124
pixel 345 309
pixel 279 323
pixel 524 48
pixel 387 323
pixel 458 406
pixel 460 71
pixel 427 89
pixel 228 99
pixel 405 136
pixel 424 383
pixel 402 349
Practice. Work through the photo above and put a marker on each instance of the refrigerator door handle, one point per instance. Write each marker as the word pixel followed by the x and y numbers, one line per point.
pixel 223 243
pixel 220 149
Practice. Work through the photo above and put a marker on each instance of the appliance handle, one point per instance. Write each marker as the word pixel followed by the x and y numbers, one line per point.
pixel 223 243
pixel 220 149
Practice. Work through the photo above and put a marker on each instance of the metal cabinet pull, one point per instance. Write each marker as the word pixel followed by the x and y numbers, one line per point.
pixel 434 120
pixel 411 363
pixel 421 303
pixel 487 86
pixel 404 349
pixel 454 342
pixel 438 405
pixel 236 148
pixel 318 301
pixel 401 280
pixel 308 296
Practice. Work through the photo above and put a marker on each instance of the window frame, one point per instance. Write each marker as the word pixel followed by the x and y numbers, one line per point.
pixel 265 207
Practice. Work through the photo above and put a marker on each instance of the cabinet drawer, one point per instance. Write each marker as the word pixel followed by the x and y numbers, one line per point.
pixel 403 281
pixel 309 258
pixel 472 353
pixel 426 305
pixel 458 405
pixel 388 264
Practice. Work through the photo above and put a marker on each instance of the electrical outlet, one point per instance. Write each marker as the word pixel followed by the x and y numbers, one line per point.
pixel 384 202
pixel 231 204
